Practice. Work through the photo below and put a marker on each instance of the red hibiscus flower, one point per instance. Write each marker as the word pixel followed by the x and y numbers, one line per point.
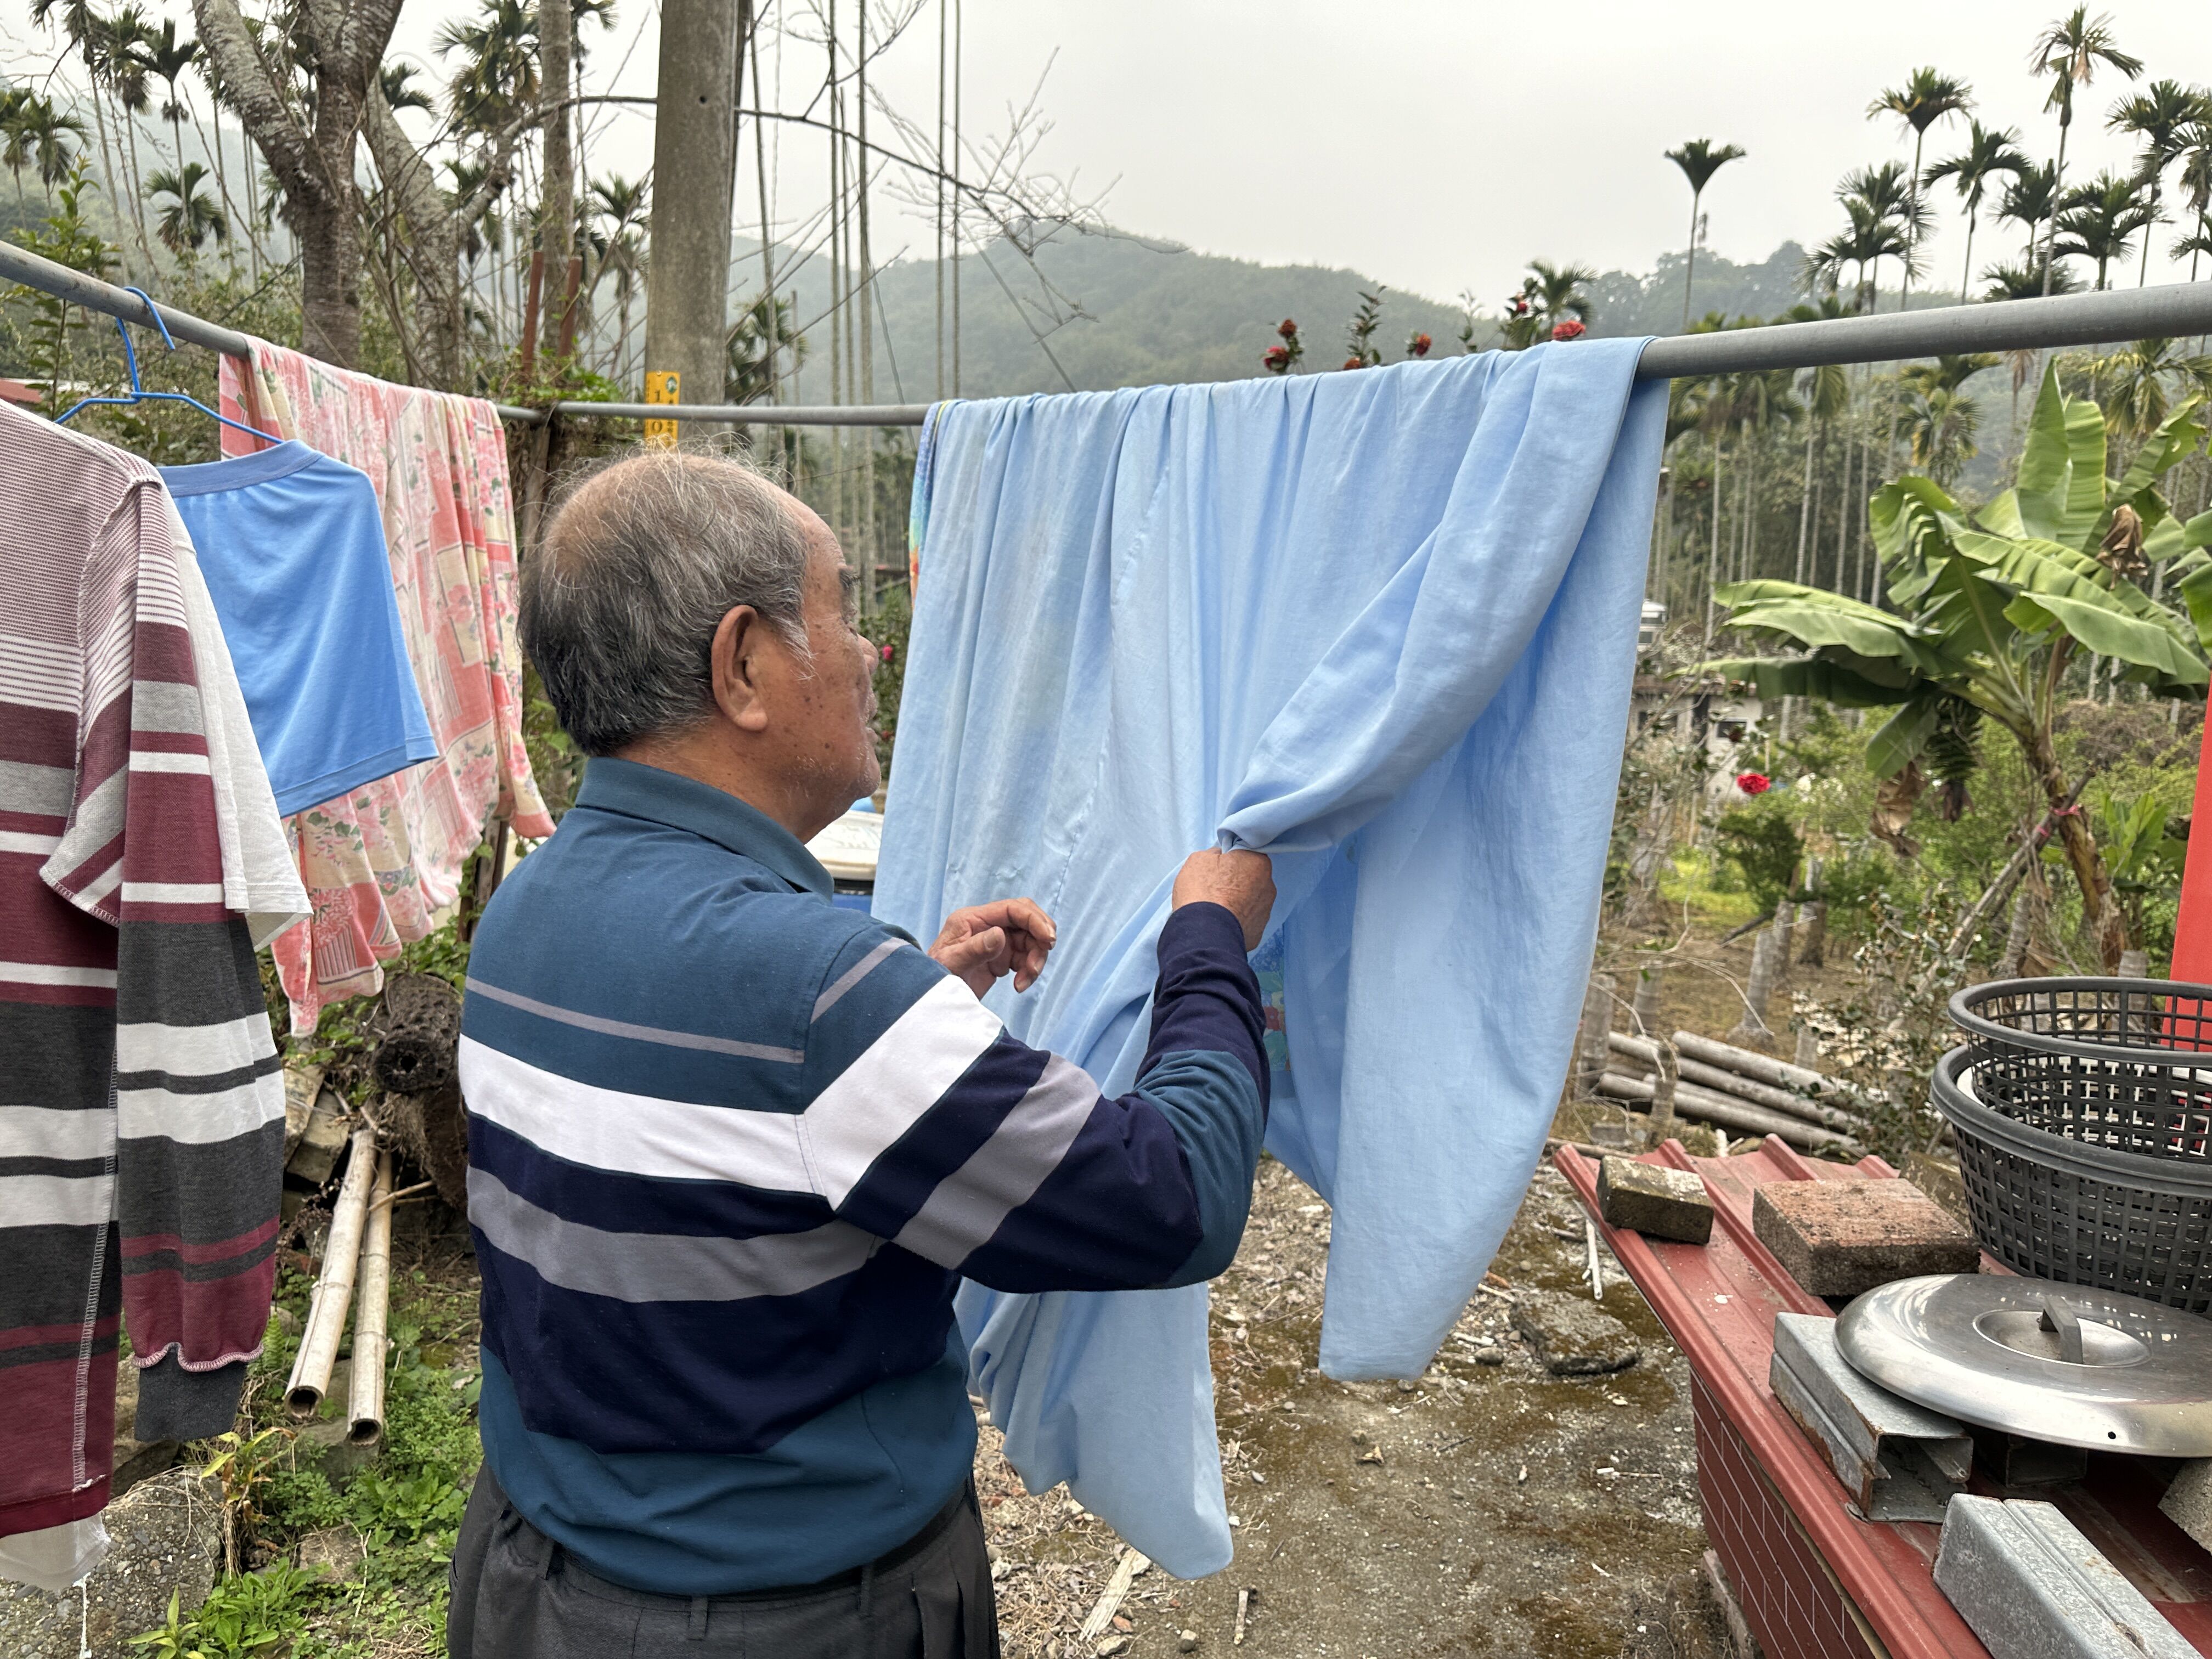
pixel 1276 358
pixel 1418 346
pixel 1753 783
pixel 1572 329
pixel 887 653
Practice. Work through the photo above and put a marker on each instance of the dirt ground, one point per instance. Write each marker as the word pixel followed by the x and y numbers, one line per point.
pixel 1481 1509
pixel 1701 982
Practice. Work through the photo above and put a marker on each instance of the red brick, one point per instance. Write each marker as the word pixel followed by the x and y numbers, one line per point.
pixel 1840 1237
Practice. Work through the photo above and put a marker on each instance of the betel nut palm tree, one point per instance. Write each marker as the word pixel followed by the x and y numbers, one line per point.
pixel 397 83
pixel 167 57
pixel 34 135
pixel 2160 115
pixel 2196 181
pixel 620 247
pixel 2135 384
pixel 1824 394
pixel 2029 201
pixel 2068 51
pixel 2100 219
pixel 1987 153
pixel 1988 608
pixel 190 219
pixel 1884 209
pixel 1940 421
pixel 1871 237
pixel 1699 159
pixel 1558 297
pixel 1926 98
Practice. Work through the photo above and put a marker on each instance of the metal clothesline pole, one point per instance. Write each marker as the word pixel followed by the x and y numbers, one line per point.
pixel 2168 312
pixel 18 265
pixel 746 414
pixel 2172 311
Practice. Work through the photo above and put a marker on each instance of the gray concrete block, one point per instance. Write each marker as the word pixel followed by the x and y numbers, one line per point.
pixel 1654 1199
pixel 2032 1587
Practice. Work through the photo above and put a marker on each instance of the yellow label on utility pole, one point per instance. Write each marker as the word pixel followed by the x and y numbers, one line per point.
pixel 662 385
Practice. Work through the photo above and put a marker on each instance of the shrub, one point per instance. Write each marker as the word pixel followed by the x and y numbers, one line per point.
pixel 1764 847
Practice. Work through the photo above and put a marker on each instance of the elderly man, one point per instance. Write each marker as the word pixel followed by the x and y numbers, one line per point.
pixel 732 1148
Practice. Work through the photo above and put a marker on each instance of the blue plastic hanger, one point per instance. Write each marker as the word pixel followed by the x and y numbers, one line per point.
pixel 140 395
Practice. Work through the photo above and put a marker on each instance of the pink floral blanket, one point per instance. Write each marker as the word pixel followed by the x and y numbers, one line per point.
pixel 382 864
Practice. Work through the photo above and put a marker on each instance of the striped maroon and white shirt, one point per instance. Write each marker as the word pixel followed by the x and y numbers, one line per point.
pixel 141 1107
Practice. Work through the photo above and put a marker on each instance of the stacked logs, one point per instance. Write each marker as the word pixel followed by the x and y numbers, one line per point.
pixel 1737 1090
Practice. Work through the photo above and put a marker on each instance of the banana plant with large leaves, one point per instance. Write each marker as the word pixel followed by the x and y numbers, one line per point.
pixel 1989 608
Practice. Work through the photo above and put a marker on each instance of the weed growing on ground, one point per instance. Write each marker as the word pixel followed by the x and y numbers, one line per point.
pixel 245 1616
pixel 403 1507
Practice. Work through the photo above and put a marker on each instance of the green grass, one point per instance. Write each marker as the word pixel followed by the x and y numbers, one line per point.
pixel 1714 894
pixel 404 1506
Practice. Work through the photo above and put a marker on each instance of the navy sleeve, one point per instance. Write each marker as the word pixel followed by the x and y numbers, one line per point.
pixel 938 1130
pixel 1205 1072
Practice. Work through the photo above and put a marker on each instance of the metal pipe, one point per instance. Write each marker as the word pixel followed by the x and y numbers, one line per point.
pixel 2168 312
pixel 753 414
pixel 20 265
pixel 31 270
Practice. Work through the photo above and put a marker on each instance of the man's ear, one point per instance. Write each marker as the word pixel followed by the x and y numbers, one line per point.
pixel 742 641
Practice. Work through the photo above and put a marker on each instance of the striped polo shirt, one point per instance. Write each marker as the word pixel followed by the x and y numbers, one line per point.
pixel 733 1148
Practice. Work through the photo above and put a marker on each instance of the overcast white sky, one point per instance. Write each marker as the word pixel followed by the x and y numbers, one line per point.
pixel 1435 144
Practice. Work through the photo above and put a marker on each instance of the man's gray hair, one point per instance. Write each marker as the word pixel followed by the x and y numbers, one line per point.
pixel 642 560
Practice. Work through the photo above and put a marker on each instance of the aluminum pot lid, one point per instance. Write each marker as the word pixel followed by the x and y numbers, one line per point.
pixel 2061 1362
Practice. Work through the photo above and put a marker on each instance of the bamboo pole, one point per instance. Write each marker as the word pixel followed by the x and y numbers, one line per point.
pixel 327 1313
pixel 365 1387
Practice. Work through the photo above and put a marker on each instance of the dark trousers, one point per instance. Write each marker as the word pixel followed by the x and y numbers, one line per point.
pixel 517 1594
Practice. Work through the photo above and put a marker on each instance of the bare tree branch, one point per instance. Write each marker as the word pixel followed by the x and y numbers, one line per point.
pixel 413 188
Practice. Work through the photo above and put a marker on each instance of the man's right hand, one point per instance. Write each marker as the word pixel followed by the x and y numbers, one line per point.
pixel 1244 884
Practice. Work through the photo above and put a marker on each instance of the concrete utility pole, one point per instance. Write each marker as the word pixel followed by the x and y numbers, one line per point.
pixel 695 175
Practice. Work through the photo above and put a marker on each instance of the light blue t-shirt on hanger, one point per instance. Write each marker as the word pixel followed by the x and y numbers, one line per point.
pixel 292 546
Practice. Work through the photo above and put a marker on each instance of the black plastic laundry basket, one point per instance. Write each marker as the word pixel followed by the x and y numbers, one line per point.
pixel 2125 1063
pixel 2055 1207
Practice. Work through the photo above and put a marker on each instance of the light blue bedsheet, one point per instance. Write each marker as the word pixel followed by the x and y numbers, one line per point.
pixel 1381 624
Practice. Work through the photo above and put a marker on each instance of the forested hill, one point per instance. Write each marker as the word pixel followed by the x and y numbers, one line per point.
pixel 1134 311
pixel 1123 311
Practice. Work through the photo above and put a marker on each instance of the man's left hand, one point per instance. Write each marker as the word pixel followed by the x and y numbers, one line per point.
pixel 984 942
